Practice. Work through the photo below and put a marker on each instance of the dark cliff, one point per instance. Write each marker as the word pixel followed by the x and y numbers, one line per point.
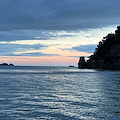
pixel 107 53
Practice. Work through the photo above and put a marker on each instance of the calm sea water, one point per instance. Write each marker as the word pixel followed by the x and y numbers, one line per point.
pixel 59 93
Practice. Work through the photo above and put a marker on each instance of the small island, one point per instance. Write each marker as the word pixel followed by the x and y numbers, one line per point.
pixel 6 64
pixel 71 66
pixel 106 55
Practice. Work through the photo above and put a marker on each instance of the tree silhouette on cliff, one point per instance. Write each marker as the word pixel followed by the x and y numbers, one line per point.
pixel 107 52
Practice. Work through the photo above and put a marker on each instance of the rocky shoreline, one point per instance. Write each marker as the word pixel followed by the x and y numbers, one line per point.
pixel 106 55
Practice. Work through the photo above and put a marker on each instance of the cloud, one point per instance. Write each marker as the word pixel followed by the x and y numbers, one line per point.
pixel 35 54
pixel 58 14
pixel 15 35
pixel 23 35
pixel 52 20
pixel 90 48
pixel 7 49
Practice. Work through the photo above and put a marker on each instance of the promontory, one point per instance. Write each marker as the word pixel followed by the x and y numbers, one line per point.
pixel 106 55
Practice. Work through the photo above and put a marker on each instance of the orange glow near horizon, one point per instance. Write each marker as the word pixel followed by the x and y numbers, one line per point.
pixel 41 61
pixel 65 57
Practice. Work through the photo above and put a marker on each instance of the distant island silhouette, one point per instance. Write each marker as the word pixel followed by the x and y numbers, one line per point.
pixel 71 66
pixel 6 64
pixel 106 55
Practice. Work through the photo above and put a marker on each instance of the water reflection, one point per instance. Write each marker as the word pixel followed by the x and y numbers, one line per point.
pixel 58 94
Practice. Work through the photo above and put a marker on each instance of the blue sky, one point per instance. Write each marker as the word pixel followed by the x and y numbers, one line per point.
pixel 52 28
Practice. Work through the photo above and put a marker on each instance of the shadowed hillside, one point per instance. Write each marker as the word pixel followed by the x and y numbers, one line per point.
pixel 107 53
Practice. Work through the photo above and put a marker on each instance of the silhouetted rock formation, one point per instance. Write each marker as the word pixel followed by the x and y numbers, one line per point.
pixel 6 64
pixel 106 55
pixel 82 63
pixel 11 64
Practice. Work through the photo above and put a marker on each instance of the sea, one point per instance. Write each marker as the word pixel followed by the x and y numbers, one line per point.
pixel 58 93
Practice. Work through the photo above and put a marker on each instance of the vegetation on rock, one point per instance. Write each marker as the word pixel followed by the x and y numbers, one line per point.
pixel 107 53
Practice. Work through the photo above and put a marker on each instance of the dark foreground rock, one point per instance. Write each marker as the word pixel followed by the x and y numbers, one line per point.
pixel 106 55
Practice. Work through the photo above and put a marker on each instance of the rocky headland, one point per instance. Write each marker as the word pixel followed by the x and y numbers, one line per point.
pixel 106 55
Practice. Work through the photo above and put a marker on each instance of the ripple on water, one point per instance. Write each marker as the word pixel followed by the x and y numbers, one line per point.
pixel 59 93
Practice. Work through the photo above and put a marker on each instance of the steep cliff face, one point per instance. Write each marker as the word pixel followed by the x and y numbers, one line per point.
pixel 107 53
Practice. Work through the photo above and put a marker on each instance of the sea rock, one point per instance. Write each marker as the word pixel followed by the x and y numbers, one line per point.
pixel 6 64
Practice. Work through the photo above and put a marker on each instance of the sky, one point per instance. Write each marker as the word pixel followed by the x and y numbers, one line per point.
pixel 54 32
